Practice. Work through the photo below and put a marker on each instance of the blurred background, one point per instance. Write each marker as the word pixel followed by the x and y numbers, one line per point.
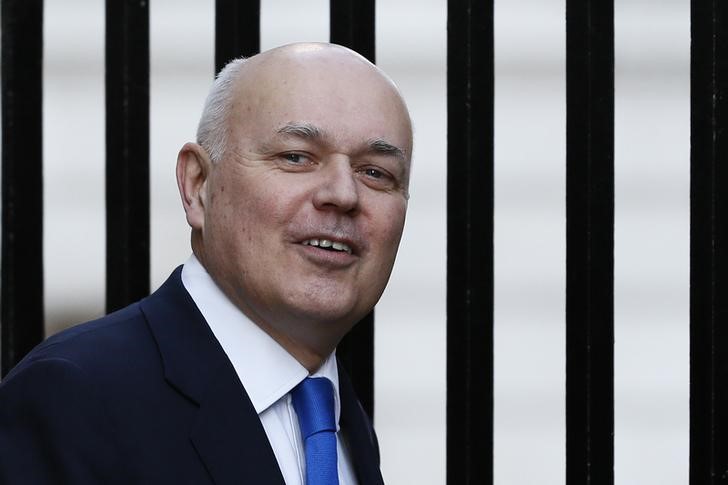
pixel 651 230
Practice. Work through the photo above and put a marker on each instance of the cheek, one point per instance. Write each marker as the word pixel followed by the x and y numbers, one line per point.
pixel 386 228
pixel 262 219
pixel 230 226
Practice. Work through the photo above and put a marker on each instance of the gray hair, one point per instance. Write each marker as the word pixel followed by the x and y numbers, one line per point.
pixel 212 131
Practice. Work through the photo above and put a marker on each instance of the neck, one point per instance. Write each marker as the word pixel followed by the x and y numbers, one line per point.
pixel 309 356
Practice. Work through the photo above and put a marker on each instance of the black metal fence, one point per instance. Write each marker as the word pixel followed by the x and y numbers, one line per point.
pixel 127 152
pixel 589 242
pixel 589 215
pixel 709 244
pixel 470 87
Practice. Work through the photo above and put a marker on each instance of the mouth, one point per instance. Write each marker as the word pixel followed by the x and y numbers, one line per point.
pixel 328 245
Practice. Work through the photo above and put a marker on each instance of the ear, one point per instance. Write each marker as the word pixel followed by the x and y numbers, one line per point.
pixel 193 168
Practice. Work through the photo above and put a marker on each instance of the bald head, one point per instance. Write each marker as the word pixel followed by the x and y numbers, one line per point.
pixel 268 79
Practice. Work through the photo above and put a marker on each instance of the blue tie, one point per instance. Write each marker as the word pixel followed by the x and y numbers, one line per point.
pixel 313 400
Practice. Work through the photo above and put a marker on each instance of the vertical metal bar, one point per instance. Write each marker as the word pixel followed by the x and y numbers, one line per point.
pixel 356 354
pixel 590 242
pixel 127 151
pixel 22 178
pixel 709 244
pixel 351 24
pixel 470 90
pixel 237 30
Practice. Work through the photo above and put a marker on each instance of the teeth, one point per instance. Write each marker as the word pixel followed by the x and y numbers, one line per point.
pixel 327 243
pixel 341 247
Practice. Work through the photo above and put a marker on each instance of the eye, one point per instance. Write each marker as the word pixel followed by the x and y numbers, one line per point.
pixel 295 161
pixel 295 158
pixel 374 173
pixel 378 178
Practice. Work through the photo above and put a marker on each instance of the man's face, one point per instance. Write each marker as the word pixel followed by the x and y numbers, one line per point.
pixel 305 212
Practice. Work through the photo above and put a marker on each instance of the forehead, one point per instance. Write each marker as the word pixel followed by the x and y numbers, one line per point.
pixel 347 99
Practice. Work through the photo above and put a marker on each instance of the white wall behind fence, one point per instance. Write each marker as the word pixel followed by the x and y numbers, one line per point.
pixel 652 124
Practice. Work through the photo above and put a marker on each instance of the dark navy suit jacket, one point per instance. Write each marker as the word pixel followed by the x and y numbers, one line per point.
pixel 146 395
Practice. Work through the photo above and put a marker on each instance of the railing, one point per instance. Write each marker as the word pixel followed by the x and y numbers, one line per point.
pixel 589 214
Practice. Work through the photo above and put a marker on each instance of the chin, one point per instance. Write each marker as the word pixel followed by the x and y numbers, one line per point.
pixel 323 313
pixel 327 311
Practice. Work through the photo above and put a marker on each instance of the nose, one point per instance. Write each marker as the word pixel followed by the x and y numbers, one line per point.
pixel 337 188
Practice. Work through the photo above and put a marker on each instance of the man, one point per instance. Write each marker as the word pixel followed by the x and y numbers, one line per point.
pixel 296 193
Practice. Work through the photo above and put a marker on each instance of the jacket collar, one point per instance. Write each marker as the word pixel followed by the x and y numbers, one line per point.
pixel 227 433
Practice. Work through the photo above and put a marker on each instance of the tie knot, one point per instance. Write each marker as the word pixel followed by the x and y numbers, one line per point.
pixel 313 400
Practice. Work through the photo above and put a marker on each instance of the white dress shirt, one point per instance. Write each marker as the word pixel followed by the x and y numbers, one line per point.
pixel 268 373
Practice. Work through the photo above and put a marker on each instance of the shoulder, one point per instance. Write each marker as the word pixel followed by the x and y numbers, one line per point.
pixel 79 404
pixel 56 405
pixel 92 345
pixel 116 343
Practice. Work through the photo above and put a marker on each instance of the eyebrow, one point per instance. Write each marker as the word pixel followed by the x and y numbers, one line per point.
pixel 385 148
pixel 303 130
pixel 312 132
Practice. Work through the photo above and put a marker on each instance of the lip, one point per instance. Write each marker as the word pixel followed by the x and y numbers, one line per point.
pixel 326 258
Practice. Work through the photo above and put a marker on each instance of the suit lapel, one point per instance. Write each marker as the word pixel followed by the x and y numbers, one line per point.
pixel 359 433
pixel 230 439
pixel 227 432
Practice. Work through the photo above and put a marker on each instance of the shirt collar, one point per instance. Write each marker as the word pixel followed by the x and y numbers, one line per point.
pixel 267 371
